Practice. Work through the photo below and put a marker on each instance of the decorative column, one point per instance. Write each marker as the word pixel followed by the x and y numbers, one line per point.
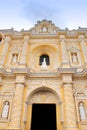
pixel 70 112
pixel 30 114
pixel 17 103
pixel 62 112
pixel 83 47
pixel 65 60
pixel 24 51
pixel 5 49
pixel 1 95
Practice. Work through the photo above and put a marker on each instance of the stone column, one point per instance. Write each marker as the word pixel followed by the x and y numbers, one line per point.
pixel 17 103
pixel 70 112
pixel 1 95
pixel 62 112
pixel 83 47
pixel 65 60
pixel 24 51
pixel 4 51
pixel 24 119
pixel 25 112
pixel 30 114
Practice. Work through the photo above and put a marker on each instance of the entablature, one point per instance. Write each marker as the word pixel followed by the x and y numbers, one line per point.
pixel 58 73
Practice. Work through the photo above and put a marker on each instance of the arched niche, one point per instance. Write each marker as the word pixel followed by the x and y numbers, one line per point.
pixel 47 50
pixel 44 48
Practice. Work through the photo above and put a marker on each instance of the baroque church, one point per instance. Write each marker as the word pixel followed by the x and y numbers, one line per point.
pixel 43 78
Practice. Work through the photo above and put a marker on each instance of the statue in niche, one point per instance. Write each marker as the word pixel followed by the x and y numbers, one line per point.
pixel 74 58
pixel 82 111
pixel 5 110
pixel 44 29
pixel 14 58
pixel 44 64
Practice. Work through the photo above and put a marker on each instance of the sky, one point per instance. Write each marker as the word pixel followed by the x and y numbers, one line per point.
pixel 24 14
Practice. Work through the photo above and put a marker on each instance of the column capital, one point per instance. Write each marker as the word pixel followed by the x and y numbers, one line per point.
pixel 26 38
pixel 20 79
pixel 67 78
pixel 67 84
pixel 7 39
pixel 81 38
pixel 20 85
pixel 62 36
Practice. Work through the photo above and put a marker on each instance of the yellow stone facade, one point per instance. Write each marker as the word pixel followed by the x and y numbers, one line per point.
pixel 44 65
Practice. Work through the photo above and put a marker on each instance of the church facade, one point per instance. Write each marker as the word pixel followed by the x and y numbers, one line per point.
pixel 43 70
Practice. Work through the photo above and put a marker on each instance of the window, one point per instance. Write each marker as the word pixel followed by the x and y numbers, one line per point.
pixel 44 57
pixel 82 111
pixel 5 110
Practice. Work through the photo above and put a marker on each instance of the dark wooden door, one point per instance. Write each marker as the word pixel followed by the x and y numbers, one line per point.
pixel 43 117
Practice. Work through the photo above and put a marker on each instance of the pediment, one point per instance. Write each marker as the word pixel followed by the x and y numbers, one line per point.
pixel 44 27
pixel 73 49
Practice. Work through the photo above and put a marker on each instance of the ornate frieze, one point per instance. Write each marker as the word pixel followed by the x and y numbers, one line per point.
pixel 44 27
pixel 43 97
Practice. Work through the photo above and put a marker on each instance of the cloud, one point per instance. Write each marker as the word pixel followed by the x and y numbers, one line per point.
pixel 24 13
pixel 61 12
pixel 34 10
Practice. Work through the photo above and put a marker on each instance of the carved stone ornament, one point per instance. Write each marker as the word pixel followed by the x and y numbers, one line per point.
pixel 43 97
pixel 44 26
pixel 73 49
pixel 16 47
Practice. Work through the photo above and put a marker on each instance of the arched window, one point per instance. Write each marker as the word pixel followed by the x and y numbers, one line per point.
pixel 82 112
pixel 5 110
pixel 46 57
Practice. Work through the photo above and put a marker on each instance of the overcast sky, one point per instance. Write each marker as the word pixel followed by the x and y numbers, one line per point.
pixel 21 14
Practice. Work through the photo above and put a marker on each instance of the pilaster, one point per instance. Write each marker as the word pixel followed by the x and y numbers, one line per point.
pixel 17 106
pixel 0 91
pixel 83 47
pixel 65 60
pixel 24 51
pixel 5 49
pixel 30 113
pixel 69 105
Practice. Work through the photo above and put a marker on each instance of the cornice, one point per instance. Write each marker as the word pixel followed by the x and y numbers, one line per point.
pixel 38 32
pixel 58 73
pixel 74 71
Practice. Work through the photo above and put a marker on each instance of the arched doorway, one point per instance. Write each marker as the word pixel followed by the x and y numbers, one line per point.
pixel 43 117
pixel 43 108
